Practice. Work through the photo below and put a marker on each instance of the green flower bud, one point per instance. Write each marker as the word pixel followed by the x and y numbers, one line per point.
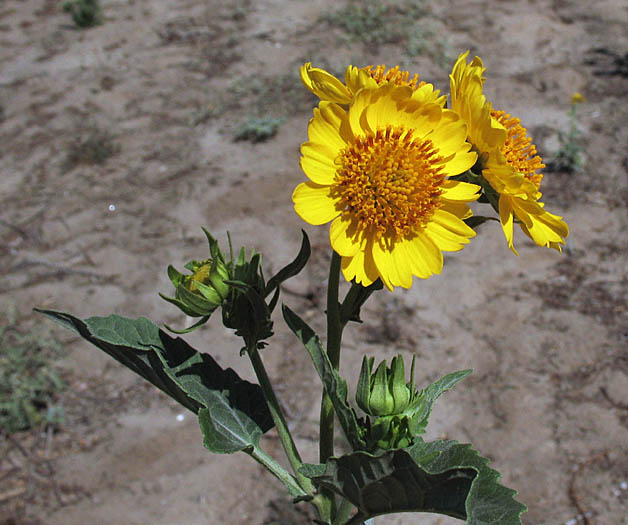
pixel 389 401
pixel 384 393
pixel 205 289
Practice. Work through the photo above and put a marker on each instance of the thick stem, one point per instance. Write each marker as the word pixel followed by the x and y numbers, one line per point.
pixel 278 418
pixel 334 335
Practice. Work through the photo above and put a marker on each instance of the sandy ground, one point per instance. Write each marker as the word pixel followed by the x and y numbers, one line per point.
pixel 164 89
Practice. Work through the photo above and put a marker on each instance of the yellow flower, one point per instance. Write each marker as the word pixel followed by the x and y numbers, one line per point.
pixel 577 98
pixel 508 159
pixel 379 172
pixel 328 88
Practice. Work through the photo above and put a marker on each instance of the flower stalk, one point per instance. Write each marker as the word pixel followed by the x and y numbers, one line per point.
pixel 334 337
pixel 278 418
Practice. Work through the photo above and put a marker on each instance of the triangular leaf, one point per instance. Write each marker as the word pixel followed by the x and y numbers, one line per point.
pixel 192 378
pixel 442 477
pixel 335 386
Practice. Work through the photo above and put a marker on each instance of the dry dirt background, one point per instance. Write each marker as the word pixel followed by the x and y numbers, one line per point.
pixel 166 87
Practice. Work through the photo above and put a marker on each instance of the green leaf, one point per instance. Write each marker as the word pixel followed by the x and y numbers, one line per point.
pixel 291 269
pixel 476 220
pixel 334 384
pixel 181 305
pixel 420 410
pixel 488 501
pixel 355 299
pixel 442 477
pixel 312 470
pixel 192 378
pixel 225 430
pixel 252 323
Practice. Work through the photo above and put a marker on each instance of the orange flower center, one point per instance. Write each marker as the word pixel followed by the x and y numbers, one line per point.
pixel 389 182
pixel 518 149
pixel 395 75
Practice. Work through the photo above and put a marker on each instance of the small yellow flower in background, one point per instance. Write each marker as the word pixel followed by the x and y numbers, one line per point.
pixel 508 158
pixel 328 88
pixel 577 98
pixel 379 172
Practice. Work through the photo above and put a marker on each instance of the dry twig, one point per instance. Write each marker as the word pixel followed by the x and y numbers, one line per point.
pixel 571 491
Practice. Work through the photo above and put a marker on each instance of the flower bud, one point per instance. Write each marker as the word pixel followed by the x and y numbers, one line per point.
pixel 206 288
pixel 208 280
pixel 384 393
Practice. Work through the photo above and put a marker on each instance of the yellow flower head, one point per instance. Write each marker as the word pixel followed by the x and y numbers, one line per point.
pixel 379 172
pixel 508 159
pixel 328 88
pixel 577 98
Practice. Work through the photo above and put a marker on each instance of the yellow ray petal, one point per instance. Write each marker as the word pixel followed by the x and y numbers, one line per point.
pixel 386 106
pixel 450 133
pixel 324 128
pixel 456 208
pixel 544 228
pixel 361 266
pixel 319 152
pixel 357 119
pixel 344 237
pixel 324 85
pixel 506 219
pixel 426 94
pixel 358 78
pixel 451 222
pixel 425 257
pixel 314 204
pixel 459 191
pixel 318 172
pixel 445 239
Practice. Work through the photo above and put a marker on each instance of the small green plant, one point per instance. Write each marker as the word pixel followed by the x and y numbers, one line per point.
pixel 279 95
pixel 85 13
pixel 257 129
pixel 28 379
pixel 93 146
pixel 426 37
pixel 375 23
pixel 568 158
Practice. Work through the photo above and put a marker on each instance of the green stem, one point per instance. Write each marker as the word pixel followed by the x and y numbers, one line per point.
pixel 278 471
pixel 334 335
pixel 278 418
